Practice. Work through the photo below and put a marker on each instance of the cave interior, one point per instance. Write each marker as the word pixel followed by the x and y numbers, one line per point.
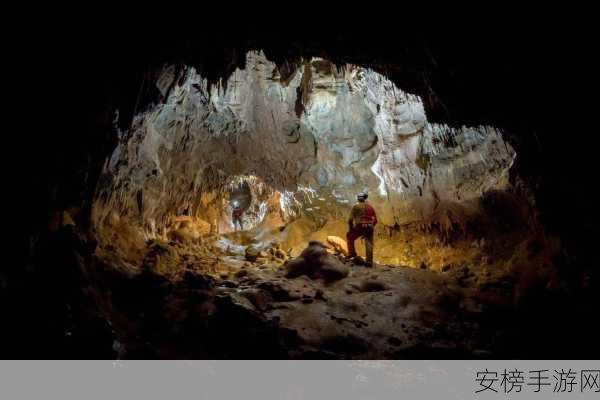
pixel 484 241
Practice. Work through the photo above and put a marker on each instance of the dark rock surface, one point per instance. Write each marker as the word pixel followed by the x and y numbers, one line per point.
pixel 316 262
pixel 61 303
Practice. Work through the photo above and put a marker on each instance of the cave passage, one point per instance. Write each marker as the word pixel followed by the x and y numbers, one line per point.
pixel 187 162
pixel 235 196
pixel 200 208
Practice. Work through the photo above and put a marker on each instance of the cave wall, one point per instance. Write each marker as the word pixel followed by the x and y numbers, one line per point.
pixel 317 129
pixel 523 79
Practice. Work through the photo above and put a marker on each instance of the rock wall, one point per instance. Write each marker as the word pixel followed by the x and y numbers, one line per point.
pixel 322 131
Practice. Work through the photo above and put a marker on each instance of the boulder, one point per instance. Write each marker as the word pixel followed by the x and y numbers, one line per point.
pixel 188 229
pixel 197 224
pixel 183 235
pixel 316 262
pixel 252 253
pixel 314 251
pixel 298 266
pixel 338 244
pixel 332 269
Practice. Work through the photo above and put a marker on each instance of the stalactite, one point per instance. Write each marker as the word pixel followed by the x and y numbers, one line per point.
pixel 184 139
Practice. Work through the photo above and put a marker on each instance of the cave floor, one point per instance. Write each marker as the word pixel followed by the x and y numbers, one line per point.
pixel 254 311
pixel 381 312
pixel 217 298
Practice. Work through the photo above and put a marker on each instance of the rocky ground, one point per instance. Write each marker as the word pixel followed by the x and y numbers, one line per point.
pixel 245 302
pixel 294 147
pixel 262 306
pixel 489 293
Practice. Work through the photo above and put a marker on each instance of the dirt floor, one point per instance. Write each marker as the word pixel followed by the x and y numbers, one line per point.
pixel 487 286
pixel 233 297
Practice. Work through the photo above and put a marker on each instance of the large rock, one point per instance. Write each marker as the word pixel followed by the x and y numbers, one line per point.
pixel 316 262
pixel 184 235
pixel 332 269
pixel 298 266
pixel 189 229
pixel 252 253
pixel 338 244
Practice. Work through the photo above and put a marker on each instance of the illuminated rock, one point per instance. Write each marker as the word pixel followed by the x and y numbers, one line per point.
pixel 338 244
pixel 325 132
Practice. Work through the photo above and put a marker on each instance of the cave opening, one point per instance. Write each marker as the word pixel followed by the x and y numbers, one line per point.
pixel 217 224
pixel 207 153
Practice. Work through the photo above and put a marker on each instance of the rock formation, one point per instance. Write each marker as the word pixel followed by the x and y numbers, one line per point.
pixel 297 141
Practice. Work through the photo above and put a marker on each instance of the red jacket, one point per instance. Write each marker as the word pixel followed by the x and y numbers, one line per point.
pixel 363 213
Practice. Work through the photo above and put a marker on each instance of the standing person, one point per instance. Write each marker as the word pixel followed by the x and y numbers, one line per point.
pixel 236 215
pixel 361 223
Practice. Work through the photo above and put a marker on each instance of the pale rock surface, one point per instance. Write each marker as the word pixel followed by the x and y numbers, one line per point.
pixel 338 244
pixel 322 134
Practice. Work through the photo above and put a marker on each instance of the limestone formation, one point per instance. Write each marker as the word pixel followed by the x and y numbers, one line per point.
pixel 300 146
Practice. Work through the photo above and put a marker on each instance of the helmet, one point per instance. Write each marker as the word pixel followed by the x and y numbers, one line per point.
pixel 362 196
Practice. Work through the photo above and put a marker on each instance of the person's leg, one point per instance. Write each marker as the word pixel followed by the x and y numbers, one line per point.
pixel 351 236
pixel 368 235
